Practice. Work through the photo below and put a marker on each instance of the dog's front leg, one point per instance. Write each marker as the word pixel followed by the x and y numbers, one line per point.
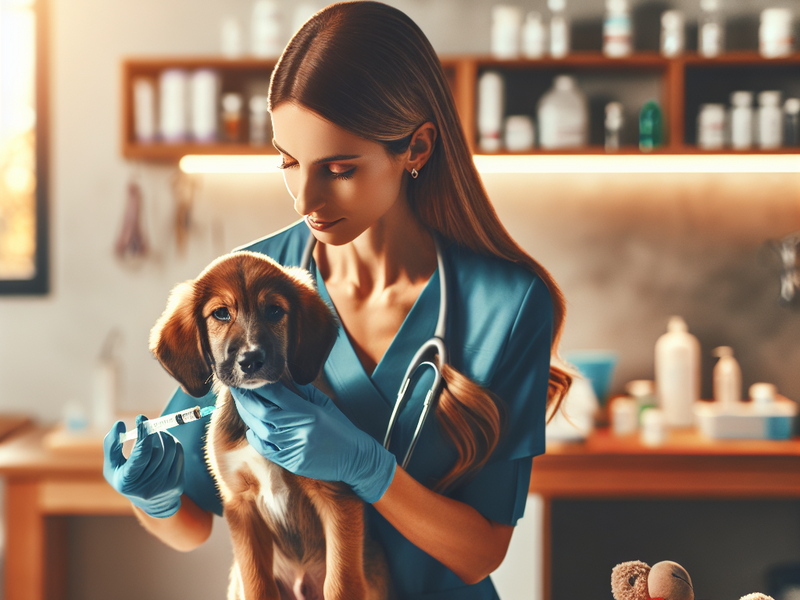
pixel 252 551
pixel 342 517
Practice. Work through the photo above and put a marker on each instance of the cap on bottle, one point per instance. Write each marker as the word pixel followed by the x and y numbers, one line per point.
pixel 722 351
pixel 677 324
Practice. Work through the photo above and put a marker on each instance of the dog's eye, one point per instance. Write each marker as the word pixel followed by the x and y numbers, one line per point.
pixel 275 313
pixel 221 314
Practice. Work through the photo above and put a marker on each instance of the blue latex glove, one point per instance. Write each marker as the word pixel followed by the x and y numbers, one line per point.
pixel 310 436
pixel 152 476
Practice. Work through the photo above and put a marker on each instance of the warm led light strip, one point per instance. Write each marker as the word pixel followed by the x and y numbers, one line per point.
pixel 547 163
pixel 233 163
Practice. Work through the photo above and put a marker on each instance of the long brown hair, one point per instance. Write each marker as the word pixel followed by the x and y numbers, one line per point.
pixel 369 69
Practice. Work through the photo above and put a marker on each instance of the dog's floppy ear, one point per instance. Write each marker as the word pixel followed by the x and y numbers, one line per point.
pixel 175 342
pixel 313 336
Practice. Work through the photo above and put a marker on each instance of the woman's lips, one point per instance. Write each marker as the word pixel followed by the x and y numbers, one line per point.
pixel 320 225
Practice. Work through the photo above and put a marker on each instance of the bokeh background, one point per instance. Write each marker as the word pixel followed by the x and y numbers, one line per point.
pixel 628 250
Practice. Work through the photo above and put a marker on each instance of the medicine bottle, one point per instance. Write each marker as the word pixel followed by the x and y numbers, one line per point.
pixel 654 430
pixel 232 116
pixel 770 120
pixel 741 120
pixel 205 99
pixel 791 122
pixel 650 126
pixel 173 89
pixel 613 125
pixel 506 24
pixel 259 120
pixel 775 33
pixel 533 36
pixel 144 109
pixel 617 29
pixel 711 29
pixel 727 379
pixel 520 133
pixel 265 40
pixel 711 126
pixel 563 115
pixel 559 29
pixel 677 366
pixel 491 108
pixel 673 36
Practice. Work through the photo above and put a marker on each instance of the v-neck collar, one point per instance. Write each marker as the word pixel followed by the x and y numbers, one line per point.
pixel 368 400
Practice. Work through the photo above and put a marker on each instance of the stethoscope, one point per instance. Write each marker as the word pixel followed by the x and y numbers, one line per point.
pixel 425 356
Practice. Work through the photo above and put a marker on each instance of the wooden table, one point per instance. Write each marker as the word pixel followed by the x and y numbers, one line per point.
pixel 687 466
pixel 43 487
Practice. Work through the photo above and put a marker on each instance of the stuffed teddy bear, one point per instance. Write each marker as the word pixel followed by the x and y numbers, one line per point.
pixel 667 580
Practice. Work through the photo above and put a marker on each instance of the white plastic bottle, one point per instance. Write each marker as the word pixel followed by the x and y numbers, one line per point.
pixel 563 115
pixel 533 36
pixel 617 29
pixel 711 30
pixel 673 33
pixel 727 379
pixel 711 126
pixel 770 120
pixel 506 24
pixel 677 361
pixel 559 29
pixel 742 120
pixel 265 37
pixel 775 32
pixel 491 110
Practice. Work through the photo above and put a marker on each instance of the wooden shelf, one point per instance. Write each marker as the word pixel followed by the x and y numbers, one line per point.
pixel 678 102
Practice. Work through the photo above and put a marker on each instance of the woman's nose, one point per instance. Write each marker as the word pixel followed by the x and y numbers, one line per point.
pixel 307 196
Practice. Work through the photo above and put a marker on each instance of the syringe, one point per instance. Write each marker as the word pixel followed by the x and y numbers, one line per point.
pixel 168 421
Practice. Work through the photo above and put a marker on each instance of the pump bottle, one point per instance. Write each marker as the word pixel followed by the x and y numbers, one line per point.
pixel 677 361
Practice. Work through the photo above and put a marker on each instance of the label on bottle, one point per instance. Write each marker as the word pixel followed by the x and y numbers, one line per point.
pixel 617 36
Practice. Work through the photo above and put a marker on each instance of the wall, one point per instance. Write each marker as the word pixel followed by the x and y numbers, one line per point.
pixel 629 251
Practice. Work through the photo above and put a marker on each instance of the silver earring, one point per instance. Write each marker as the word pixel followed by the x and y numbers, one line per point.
pixel 414 173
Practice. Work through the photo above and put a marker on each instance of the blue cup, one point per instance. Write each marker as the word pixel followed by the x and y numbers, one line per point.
pixel 598 367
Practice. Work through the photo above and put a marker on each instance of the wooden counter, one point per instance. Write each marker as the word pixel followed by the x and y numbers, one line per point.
pixel 44 486
pixel 687 466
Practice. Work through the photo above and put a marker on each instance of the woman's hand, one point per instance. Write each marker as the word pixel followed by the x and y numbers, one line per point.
pixel 152 476
pixel 310 436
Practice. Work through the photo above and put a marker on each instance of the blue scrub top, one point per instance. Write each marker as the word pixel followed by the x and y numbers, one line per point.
pixel 499 332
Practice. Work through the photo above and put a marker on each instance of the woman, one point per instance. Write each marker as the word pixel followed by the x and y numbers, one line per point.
pixel 376 161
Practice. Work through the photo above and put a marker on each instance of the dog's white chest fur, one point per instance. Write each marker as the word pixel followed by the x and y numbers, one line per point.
pixel 273 493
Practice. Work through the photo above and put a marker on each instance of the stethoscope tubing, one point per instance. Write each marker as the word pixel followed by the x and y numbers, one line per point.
pixel 429 354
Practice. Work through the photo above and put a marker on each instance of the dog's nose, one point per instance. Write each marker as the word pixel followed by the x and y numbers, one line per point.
pixel 252 361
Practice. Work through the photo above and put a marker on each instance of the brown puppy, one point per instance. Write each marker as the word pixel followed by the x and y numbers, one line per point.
pixel 248 321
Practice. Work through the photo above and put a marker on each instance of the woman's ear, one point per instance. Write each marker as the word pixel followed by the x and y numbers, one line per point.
pixel 421 147
pixel 312 336
pixel 175 342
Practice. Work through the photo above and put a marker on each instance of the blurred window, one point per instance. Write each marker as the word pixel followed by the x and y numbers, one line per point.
pixel 23 218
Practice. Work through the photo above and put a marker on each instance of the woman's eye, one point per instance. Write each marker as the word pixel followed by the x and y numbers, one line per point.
pixel 287 165
pixel 337 172
pixel 275 313
pixel 221 314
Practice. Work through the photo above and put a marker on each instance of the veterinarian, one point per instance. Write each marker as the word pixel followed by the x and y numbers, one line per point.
pixel 376 160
